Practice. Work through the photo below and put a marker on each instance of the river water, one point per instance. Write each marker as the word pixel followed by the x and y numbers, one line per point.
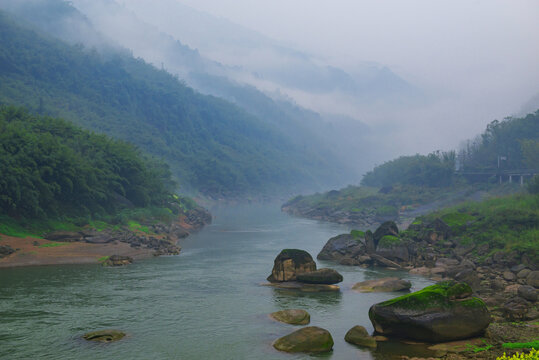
pixel 206 303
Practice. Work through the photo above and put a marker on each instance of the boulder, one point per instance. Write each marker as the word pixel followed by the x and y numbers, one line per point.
pixel 393 248
pixel 321 276
pixel 310 339
pixel 387 228
pixel 523 274
pixel 292 316
pixel 370 247
pixel 440 312
pixel 527 292
pixel 358 335
pixel 340 246
pixel 518 268
pixel 6 250
pixel 118 260
pixel 289 263
pixel 509 275
pixel 382 285
pixel 104 335
pixel 533 279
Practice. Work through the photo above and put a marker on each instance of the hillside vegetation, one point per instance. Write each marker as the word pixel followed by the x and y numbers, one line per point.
pixel 54 172
pixel 212 146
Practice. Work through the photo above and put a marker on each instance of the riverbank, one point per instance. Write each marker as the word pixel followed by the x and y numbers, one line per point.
pixel 93 246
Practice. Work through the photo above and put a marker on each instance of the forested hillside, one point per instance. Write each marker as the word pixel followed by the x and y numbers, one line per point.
pixel 212 147
pixel 51 168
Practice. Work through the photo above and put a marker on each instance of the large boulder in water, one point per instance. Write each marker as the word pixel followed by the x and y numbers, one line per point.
pixel 310 339
pixel 387 228
pixel 358 335
pixel 440 312
pixel 292 316
pixel 338 247
pixel 393 248
pixel 289 263
pixel 382 285
pixel 321 276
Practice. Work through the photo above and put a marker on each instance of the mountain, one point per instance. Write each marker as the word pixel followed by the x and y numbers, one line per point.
pixel 212 146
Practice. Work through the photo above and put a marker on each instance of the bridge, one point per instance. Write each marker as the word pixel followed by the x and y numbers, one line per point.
pixel 503 175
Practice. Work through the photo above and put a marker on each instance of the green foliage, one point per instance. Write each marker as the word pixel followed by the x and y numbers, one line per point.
pixel 528 345
pixel 51 168
pixel 357 234
pixel 506 223
pixel 515 139
pixel 103 259
pixel 433 170
pixel 211 145
pixel 389 241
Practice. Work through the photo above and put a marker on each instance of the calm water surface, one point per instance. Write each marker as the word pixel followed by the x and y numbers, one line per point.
pixel 206 303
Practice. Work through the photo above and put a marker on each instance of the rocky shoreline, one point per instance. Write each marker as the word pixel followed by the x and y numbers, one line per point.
pixel 91 246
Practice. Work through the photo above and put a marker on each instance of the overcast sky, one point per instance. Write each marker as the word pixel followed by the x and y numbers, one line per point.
pixel 483 48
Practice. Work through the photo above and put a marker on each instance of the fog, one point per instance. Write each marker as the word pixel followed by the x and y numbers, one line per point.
pixel 421 75
pixel 474 61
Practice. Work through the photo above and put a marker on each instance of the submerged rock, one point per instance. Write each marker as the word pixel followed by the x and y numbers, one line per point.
pixel 311 339
pixel 104 335
pixel 311 288
pixel 321 276
pixel 441 312
pixel 292 316
pixel 289 263
pixel 118 260
pixel 358 335
pixel 382 285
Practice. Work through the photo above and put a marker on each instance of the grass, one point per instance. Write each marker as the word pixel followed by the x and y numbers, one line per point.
pixel 103 259
pixel 528 345
pixel 53 244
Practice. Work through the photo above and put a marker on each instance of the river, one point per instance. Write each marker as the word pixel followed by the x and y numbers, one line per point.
pixel 206 303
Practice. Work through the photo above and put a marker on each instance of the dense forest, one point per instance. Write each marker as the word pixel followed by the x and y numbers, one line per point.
pixel 509 144
pixel 51 168
pixel 212 146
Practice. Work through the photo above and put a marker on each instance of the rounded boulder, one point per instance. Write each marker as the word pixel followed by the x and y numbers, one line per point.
pixel 310 339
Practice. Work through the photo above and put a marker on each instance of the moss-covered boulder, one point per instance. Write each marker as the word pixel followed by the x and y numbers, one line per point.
pixel 292 316
pixel 321 276
pixel 104 335
pixel 387 228
pixel 310 339
pixel 440 312
pixel 392 247
pixel 289 263
pixel 358 335
pixel 382 285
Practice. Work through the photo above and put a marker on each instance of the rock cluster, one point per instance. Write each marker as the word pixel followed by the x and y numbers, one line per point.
pixel 296 269
pixel 118 260
pixel 6 250
pixel 442 312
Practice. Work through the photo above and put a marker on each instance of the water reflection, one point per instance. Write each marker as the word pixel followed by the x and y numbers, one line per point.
pixel 286 299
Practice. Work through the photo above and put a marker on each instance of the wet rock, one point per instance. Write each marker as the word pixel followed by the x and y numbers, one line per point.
pixel 321 276
pixel 311 339
pixel 387 228
pixel 289 263
pixel 104 335
pixel 527 292
pixel 118 260
pixel 436 313
pixel 422 271
pixel 382 261
pixel 292 316
pixel 382 285
pixel 533 279
pixel 358 335
pixel 340 246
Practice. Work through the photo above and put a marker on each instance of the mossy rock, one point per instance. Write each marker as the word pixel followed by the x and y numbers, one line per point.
pixel 289 263
pixel 387 228
pixel 389 241
pixel 358 335
pixel 440 312
pixel 292 316
pixel 104 335
pixel 310 339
